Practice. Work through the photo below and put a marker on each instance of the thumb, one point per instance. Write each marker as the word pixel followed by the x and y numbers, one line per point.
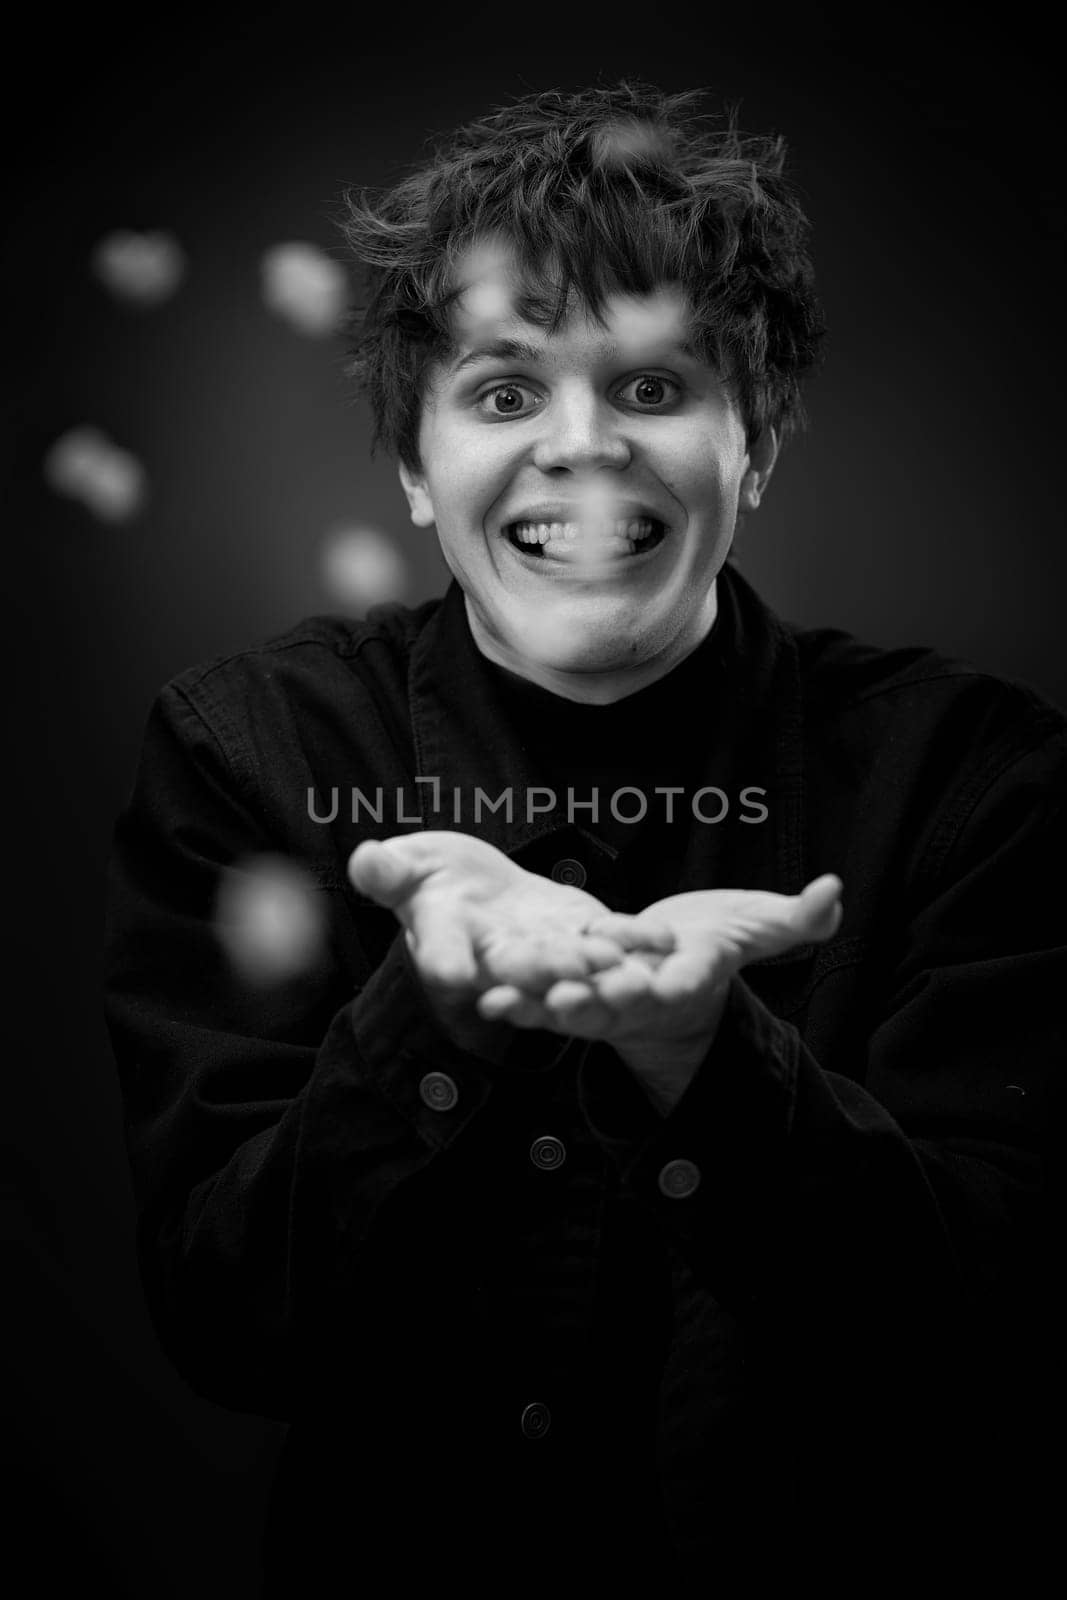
pixel 819 909
pixel 771 924
pixel 384 874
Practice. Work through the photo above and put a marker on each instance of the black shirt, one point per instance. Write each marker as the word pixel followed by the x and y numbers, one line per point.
pixel 776 1348
pixel 630 767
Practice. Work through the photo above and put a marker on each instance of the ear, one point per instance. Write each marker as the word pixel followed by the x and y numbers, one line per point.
pixel 762 454
pixel 419 502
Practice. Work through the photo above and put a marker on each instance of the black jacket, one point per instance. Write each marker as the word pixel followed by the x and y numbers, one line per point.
pixel 494 1359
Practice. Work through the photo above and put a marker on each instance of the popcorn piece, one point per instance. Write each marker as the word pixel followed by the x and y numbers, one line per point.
pixel 487 289
pixel 143 269
pixel 641 326
pixel 305 286
pixel 87 466
pixel 599 506
pixel 269 920
pixel 557 631
pixel 549 638
pixel 629 141
pixel 360 567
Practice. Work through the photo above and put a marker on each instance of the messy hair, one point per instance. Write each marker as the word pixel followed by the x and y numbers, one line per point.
pixel 607 191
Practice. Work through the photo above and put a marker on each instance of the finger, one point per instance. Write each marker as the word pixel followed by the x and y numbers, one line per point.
pixel 597 954
pixel 512 961
pixel 624 984
pixel 534 963
pixel 646 960
pixel 505 1003
pixel 685 974
pixel 576 1008
pixel 634 933
pixel 527 963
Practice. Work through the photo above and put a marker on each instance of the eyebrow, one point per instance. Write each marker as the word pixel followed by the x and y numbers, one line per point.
pixel 517 350
pixel 498 350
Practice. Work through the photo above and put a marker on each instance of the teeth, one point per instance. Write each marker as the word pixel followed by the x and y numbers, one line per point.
pixel 542 532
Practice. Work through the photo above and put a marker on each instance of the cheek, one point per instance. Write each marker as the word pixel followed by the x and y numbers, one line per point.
pixel 709 495
pixel 468 485
pixel 703 470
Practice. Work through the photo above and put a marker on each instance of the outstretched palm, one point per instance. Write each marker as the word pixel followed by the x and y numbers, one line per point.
pixel 474 919
pixel 663 1005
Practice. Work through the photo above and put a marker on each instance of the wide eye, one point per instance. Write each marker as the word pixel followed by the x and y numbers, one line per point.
pixel 650 392
pixel 508 400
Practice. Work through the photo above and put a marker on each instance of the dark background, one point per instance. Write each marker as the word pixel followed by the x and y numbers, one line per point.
pixel 920 507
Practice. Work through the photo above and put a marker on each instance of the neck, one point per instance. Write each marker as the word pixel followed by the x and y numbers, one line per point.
pixel 595 687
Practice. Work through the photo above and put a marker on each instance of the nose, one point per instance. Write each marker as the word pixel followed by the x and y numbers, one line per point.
pixel 581 432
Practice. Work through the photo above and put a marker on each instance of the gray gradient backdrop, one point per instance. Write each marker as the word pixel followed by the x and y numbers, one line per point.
pixel 921 507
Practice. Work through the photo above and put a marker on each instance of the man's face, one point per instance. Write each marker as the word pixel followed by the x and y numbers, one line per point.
pixel 585 486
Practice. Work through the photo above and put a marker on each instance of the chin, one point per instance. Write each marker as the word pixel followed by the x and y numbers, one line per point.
pixel 581 663
pixel 587 660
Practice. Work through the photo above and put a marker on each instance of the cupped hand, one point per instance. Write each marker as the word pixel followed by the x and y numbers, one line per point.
pixel 476 921
pixel 660 1007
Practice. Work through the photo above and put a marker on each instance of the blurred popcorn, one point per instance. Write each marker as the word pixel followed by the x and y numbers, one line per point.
pixel 144 269
pixel 269 920
pixel 360 567
pixel 550 638
pixel 306 286
pixel 630 140
pixel 595 547
pixel 87 466
pixel 555 634
pixel 486 291
pixel 643 323
pixel 599 503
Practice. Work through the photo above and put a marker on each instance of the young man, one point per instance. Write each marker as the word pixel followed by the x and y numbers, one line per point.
pixel 604 1204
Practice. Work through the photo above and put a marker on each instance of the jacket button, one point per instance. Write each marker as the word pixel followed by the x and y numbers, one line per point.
pixel 569 872
pixel 536 1420
pixel 438 1091
pixel 678 1179
pixel 548 1152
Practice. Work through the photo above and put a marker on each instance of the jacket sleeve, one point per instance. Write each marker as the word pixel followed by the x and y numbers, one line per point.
pixel 897 1214
pixel 281 1139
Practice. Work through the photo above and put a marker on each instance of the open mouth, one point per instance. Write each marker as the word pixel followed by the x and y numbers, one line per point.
pixel 572 543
